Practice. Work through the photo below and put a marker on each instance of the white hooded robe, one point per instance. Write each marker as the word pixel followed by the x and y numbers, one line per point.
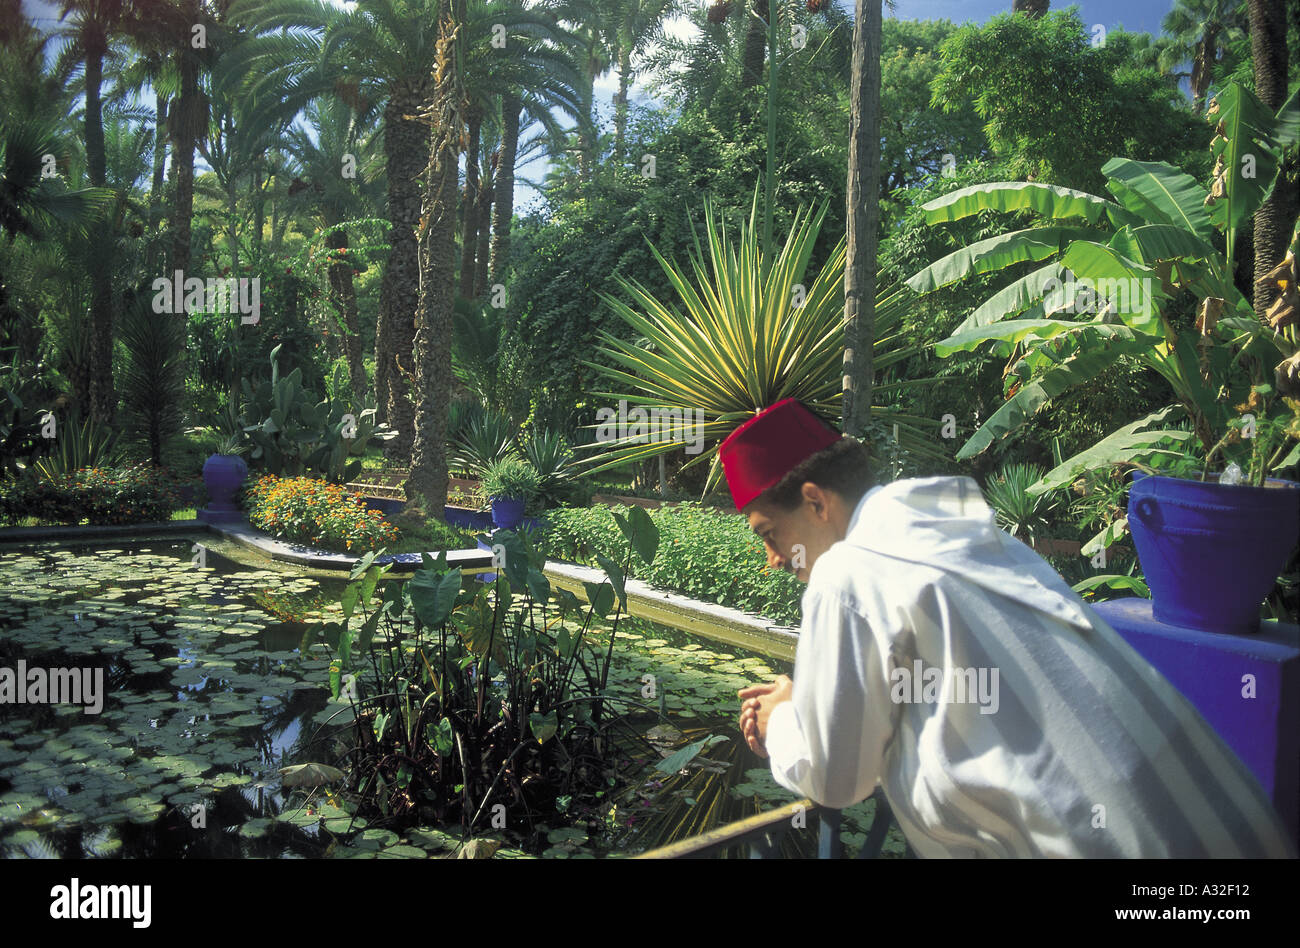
pixel 946 661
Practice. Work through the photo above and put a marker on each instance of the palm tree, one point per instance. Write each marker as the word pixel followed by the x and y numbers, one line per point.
pixel 862 215
pixel 337 130
pixel 538 77
pixel 534 82
pixel 154 69
pixel 428 476
pixel 636 25
pixel 187 120
pixel 94 22
pixel 1277 215
pixel 1199 31
pixel 1031 8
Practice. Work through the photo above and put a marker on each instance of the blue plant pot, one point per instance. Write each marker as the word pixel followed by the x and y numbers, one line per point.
pixel 507 512
pixel 1211 553
pixel 386 506
pixel 464 517
pixel 223 475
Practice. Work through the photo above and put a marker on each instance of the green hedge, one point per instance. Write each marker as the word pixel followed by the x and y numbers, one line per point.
pixel 115 495
pixel 703 553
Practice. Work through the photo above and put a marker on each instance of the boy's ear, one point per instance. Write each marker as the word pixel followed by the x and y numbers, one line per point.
pixel 815 496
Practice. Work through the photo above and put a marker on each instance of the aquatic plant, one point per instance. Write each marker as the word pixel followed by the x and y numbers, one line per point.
pixel 480 703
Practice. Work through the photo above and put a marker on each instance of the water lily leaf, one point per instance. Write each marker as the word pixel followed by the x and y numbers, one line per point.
pixel 679 760
pixel 310 775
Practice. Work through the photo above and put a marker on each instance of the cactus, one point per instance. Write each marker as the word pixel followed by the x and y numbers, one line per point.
pixel 293 434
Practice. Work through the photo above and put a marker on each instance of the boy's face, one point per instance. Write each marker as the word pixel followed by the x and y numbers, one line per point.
pixel 795 539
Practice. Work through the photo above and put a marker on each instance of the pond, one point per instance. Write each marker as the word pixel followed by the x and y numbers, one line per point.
pixel 210 687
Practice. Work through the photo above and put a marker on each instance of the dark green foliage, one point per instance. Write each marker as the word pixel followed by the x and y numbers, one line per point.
pixel 292 433
pixel 139 494
pixel 1053 101
pixel 152 383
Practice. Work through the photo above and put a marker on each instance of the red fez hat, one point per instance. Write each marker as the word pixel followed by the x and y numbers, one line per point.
pixel 769 446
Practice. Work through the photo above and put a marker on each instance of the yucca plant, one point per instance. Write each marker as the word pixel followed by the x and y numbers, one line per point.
pixel 1015 510
pixel 79 444
pixel 551 457
pixel 488 438
pixel 747 333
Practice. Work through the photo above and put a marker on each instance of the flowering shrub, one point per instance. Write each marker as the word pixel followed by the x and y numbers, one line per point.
pixel 316 512
pixel 117 495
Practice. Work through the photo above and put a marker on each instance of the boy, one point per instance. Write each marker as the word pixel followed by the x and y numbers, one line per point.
pixel 946 661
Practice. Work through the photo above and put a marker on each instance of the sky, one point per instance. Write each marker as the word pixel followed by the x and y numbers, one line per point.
pixel 1133 15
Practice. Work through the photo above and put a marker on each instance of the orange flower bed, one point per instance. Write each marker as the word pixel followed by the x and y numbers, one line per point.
pixel 314 511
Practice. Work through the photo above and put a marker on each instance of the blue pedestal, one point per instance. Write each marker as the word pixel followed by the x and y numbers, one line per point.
pixel 1210 670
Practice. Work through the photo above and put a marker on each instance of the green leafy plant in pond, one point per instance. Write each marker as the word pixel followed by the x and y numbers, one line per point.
pixel 466 695
pixel 511 477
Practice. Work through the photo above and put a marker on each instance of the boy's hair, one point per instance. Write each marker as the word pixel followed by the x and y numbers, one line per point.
pixel 844 467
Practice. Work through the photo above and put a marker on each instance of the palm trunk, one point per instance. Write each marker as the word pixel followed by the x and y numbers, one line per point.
pixel 381 360
pixel 103 401
pixel 428 477
pixel 1276 216
pixel 620 99
pixel 863 217
pixel 259 205
pixel 156 201
pixel 751 63
pixel 185 122
pixel 406 152
pixel 484 237
pixel 505 189
pixel 1203 67
pixel 469 227
pixel 343 295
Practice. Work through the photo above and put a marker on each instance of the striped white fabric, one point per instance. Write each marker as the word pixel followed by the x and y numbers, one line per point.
pixel 946 661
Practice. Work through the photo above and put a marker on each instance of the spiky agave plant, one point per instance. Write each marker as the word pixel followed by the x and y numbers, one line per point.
pixel 749 332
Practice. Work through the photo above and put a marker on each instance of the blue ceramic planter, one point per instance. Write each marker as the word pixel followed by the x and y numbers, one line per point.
pixel 1211 553
pixel 507 512
pixel 223 475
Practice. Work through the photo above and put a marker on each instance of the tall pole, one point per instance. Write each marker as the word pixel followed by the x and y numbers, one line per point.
pixel 862 218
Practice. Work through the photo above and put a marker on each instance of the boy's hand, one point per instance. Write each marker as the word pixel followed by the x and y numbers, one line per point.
pixel 757 702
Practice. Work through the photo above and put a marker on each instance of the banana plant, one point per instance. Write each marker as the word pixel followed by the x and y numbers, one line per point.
pixel 1106 270
pixel 751 330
